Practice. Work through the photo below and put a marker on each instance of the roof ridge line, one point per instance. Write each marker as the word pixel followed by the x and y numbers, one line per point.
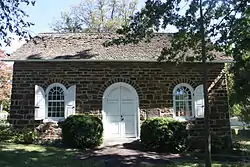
pixel 93 33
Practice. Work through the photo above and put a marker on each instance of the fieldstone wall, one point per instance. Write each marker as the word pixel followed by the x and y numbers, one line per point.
pixel 153 81
pixel 49 132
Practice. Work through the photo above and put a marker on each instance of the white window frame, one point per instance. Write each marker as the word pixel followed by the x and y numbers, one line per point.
pixel 183 118
pixel 54 119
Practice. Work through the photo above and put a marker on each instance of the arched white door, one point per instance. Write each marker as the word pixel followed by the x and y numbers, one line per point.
pixel 120 111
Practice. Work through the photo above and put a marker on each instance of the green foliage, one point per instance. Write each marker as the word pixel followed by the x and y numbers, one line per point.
pixel 5 130
pixel 24 136
pixel 96 16
pixel 242 111
pixel 158 15
pixel 239 105
pixel 226 23
pixel 241 78
pixel 68 23
pixel 4 123
pixel 237 109
pixel 82 131
pixel 204 27
pixel 6 105
pixel 12 20
pixel 164 134
pixel 218 144
pixel 11 134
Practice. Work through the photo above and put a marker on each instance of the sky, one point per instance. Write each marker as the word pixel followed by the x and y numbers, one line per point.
pixel 43 14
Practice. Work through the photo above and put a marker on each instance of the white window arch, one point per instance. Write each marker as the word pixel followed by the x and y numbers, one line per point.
pixel 55 101
pixel 183 102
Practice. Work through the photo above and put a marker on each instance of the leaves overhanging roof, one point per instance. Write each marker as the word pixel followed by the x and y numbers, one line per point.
pixel 89 46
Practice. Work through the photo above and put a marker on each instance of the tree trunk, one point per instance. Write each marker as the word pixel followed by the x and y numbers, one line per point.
pixel 207 137
pixel 113 6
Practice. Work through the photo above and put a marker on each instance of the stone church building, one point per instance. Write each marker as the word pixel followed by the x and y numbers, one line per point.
pixel 57 75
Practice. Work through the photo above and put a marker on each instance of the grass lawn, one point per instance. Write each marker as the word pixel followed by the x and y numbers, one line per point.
pixel 244 142
pixel 18 155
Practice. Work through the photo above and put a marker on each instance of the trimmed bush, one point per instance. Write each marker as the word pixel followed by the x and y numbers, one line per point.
pixel 219 144
pixel 164 135
pixel 82 131
pixel 11 134
pixel 5 130
pixel 24 136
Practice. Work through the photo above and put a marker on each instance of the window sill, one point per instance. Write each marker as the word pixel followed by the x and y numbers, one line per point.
pixel 54 120
pixel 184 119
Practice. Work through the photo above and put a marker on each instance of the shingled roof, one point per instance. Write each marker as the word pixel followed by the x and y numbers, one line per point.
pixel 89 46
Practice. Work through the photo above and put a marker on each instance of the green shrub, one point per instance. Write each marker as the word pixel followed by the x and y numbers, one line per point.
pixel 5 130
pixel 164 134
pixel 6 105
pixel 11 134
pixel 244 133
pixel 24 136
pixel 219 144
pixel 82 131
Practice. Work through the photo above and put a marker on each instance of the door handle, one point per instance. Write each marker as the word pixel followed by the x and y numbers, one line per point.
pixel 71 106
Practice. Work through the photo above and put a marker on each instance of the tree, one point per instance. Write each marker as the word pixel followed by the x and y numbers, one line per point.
pixel 68 23
pixel 241 68
pixel 12 20
pixel 240 90
pixel 5 78
pixel 203 27
pixel 239 78
pixel 96 16
pixel 239 105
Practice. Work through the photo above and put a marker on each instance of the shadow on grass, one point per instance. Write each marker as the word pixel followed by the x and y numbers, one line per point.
pixel 224 157
pixel 130 154
pixel 17 155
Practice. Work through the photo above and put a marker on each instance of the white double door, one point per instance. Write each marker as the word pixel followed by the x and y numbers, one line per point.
pixel 121 113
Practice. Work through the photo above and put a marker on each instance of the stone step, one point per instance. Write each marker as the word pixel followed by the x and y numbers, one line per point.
pixel 117 141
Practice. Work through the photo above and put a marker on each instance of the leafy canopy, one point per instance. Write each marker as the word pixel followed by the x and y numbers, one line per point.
pixel 5 85
pixel 227 30
pixel 222 20
pixel 204 27
pixel 96 16
pixel 13 20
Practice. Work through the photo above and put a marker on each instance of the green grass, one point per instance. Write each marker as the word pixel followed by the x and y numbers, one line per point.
pixel 244 142
pixel 202 165
pixel 18 155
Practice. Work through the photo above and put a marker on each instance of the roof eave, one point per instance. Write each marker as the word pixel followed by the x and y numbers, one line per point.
pixel 89 60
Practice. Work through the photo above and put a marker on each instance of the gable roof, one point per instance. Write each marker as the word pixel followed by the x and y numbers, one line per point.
pixel 89 46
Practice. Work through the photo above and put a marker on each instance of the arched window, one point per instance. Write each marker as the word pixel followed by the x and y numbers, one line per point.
pixel 56 101
pixel 54 104
pixel 183 100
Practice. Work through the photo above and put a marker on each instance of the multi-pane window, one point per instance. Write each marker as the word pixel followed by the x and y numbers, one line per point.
pixel 183 100
pixel 56 102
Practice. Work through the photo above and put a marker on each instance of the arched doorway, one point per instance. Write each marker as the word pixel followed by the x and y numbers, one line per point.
pixel 120 111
